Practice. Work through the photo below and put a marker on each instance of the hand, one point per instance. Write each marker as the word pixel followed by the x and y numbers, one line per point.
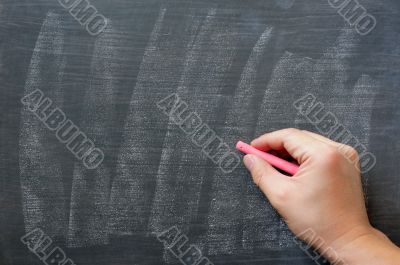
pixel 325 196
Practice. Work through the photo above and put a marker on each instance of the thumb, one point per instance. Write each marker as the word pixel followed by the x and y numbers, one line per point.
pixel 266 177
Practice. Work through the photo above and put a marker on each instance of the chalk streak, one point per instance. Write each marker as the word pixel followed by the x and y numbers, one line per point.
pixel 330 74
pixel 330 80
pixel 224 220
pixel 40 160
pixel 332 71
pixel 263 228
pixel 88 222
pixel 133 189
pixel 183 168
pixel 181 171
pixel 362 100
pixel 360 110
pixel 292 77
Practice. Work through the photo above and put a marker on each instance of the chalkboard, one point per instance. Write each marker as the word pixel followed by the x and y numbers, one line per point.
pixel 141 103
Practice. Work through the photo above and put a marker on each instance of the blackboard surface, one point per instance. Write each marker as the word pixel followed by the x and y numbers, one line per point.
pixel 238 65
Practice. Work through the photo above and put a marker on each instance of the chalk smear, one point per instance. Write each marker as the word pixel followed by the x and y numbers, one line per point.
pixel 170 205
pixel 88 220
pixel 361 109
pixel 224 221
pixel 133 188
pixel 263 228
pixel 40 155
pixel 184 169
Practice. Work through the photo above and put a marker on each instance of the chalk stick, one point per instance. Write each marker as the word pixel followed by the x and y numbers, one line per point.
pixel 275 161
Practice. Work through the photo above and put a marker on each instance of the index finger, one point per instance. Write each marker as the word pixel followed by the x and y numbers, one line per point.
pixel 298 144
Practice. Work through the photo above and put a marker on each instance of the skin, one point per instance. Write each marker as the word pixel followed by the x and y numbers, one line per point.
pixel 324 199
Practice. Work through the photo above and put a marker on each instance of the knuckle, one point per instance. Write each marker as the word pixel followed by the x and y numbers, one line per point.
pixel 332 156
pixel 281 197
pixel 349 152
pixel 290 137
pixel 292 130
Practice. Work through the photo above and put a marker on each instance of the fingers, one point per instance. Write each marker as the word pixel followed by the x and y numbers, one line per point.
pixel 348 151
pixel 321 138
pixel 267 178
pixel 298 144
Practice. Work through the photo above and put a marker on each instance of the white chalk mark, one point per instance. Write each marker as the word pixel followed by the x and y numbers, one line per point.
pixel 330 73
pixel 177 198
pixel 184 170
pixel 224 222
pixel 331 81
pixel 332 70
pixel 88 222
pixel 293 76
pixel 360 113
pixel 183 167
pixel 132 189
pixel 361 107
pixel 40 160
pixel 262 227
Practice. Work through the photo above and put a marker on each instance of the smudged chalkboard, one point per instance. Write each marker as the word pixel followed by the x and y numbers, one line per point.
pixel 238 65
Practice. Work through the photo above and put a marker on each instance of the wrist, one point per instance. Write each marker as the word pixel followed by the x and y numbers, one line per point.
pixel 365 245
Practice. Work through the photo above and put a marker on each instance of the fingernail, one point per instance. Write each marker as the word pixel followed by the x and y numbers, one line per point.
pixel 248 161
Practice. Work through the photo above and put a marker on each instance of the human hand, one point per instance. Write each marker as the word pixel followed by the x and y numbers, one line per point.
pixel 325 195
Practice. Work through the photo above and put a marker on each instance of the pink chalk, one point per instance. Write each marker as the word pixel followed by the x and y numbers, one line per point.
pixel 271 159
